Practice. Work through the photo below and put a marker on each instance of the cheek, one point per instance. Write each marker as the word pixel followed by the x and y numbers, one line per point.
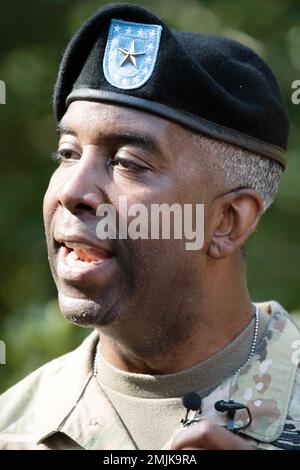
pixel 50 201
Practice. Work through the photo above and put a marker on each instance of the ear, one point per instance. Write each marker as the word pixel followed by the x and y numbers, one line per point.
pixel 236 215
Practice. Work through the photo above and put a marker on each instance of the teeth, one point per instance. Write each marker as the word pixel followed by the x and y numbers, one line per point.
pixel 84 254
pixel 73 260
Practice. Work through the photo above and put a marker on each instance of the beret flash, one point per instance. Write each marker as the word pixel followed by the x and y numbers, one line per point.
pixel 211 84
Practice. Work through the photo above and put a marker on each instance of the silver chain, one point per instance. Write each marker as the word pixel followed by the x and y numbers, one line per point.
pixel 254 341
pixel 95 366
pixel 253 347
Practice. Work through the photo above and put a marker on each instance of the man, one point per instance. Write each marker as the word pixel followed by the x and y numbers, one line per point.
pixel 161 117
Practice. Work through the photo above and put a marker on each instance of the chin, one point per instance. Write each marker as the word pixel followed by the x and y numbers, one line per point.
pixel 85 312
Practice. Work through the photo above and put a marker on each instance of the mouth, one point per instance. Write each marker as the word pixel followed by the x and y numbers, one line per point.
pixel 81 256
pixel 81 261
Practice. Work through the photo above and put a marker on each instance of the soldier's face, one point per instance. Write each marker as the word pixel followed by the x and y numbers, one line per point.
pixel 106 152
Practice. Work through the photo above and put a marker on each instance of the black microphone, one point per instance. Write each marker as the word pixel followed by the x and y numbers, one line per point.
pixel 231 407
pixel 223 405
pixel 191 401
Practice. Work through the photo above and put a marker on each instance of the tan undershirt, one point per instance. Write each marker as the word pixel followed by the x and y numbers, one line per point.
pixel 150 406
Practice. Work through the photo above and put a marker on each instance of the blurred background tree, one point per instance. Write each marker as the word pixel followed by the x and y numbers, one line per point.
pixel 33 35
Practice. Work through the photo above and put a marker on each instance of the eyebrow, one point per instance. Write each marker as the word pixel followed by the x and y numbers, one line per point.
pixel 63 130
pixel 147 141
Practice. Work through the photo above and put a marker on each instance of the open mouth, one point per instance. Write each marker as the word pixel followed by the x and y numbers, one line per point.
pixel 80 255
pixel 81 261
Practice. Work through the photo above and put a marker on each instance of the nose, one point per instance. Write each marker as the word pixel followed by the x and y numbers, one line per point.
pixel 80 191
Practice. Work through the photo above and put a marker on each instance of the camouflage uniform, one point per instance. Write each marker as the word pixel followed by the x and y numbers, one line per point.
pixel 61 405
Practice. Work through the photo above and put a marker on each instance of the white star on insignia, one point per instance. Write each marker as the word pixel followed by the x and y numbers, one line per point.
pixel 152 33
pixel 128 30
pixel 117 28
pixel 140 33
pixel 150 47
pixel 130 55
pixel 145 70
pixel 148 60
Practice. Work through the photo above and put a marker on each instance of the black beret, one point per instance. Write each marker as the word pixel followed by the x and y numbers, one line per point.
pixel 211 84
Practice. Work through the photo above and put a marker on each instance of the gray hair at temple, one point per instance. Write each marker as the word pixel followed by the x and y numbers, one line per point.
pixel 242 168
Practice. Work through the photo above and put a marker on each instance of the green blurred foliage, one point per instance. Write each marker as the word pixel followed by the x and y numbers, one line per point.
pixel 33 35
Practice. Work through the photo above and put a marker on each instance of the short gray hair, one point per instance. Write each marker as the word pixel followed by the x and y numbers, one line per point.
pixel 244 169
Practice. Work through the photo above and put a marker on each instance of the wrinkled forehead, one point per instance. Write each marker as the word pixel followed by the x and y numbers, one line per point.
pixel 94 118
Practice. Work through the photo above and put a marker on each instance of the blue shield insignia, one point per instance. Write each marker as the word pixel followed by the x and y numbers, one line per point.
pixel 130 53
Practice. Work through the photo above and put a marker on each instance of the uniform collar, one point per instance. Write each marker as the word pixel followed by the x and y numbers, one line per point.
pixel 82 411
pixel 65 391
pixel 266 384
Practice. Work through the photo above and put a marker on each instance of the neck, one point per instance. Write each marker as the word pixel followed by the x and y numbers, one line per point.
pixel 214 321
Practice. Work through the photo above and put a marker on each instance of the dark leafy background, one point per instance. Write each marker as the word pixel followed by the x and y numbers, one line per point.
pixel 33 35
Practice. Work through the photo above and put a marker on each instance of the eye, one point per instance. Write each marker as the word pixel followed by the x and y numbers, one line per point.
pixel 64 155
pixel 126 164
